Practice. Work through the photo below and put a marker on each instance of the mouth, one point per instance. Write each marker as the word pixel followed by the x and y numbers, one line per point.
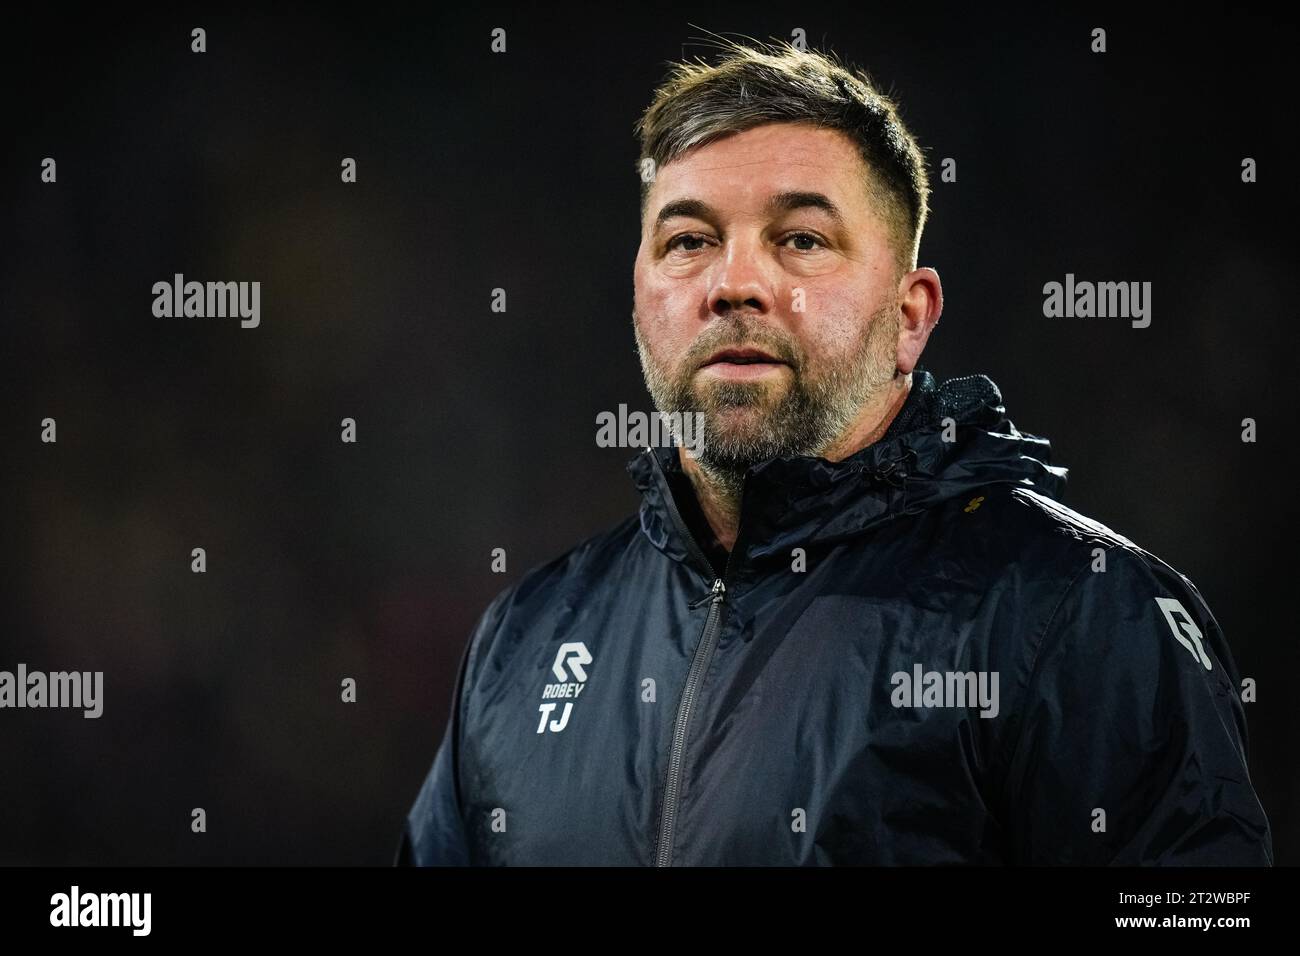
pixel 744 356
pixel 742 364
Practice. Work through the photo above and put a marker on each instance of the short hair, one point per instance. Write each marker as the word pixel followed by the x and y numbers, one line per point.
pixel 752 85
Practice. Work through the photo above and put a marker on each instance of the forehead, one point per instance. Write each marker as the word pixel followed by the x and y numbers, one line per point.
pixel 738 172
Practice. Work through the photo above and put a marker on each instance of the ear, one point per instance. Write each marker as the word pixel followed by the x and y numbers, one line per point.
pixel 920 298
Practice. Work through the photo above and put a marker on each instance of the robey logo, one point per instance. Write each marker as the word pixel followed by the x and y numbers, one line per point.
pixel 577 657
pixel 1188 634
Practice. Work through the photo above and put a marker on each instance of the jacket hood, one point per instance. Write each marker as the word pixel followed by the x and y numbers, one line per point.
pixel 797 501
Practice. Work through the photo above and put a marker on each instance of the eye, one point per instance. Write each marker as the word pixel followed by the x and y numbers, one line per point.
pixel 804 235
pixel 675 242
pixel 692 236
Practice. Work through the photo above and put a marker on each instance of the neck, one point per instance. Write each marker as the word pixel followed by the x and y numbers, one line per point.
pixel 720 500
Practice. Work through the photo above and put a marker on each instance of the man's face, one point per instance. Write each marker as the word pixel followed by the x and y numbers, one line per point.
pixel 755 305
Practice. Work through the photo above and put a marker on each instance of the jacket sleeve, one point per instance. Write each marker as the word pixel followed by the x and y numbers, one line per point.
pixel 434 833
pixel 1131 747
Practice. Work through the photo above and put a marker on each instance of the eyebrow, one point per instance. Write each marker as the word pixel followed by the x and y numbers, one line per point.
pixel 777 203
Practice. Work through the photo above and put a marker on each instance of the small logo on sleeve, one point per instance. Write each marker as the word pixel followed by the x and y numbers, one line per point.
pixel 1185 630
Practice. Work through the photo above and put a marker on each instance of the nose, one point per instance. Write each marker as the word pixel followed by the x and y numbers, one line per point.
pixel 740 280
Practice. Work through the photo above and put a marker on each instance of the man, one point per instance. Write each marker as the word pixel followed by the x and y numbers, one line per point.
pixel 854 626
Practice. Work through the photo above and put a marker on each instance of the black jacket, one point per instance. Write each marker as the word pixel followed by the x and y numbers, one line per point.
pixel 916 655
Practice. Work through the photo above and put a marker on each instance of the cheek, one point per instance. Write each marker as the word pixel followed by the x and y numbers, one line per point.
pixel 657 337
pixel 664 316
pixel 833 324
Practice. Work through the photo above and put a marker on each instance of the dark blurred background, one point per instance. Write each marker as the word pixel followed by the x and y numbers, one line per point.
pixel 476 430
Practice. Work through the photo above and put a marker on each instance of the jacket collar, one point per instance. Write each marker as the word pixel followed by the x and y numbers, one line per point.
pixel 798 501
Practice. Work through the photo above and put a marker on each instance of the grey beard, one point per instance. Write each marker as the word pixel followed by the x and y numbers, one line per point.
pixel 804 422
pixel 807 420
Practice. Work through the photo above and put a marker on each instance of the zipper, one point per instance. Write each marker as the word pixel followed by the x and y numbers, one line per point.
pixel 703 654
pixel 895 473
pixel 715 598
